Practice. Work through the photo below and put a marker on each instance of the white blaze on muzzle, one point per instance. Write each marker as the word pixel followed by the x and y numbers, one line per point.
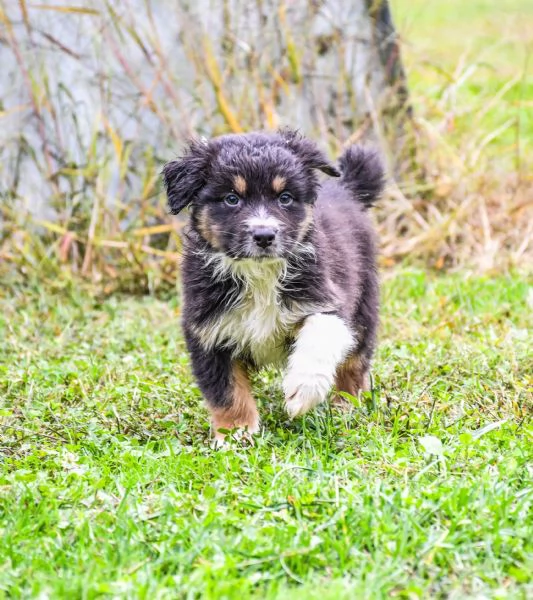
pixel 261 218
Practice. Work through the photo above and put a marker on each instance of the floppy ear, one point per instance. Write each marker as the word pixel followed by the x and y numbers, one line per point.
pixel 185 177
pixel 308 152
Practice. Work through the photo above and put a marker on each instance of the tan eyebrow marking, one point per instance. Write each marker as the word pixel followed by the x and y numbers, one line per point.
pixel 278 183
pixel 239 184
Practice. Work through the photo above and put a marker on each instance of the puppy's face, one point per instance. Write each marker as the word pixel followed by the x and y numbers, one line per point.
pixel 251 195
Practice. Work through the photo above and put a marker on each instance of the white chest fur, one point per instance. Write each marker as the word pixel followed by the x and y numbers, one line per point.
pixel 256 320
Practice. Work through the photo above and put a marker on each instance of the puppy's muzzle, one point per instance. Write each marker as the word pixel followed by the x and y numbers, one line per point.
pixel 264 236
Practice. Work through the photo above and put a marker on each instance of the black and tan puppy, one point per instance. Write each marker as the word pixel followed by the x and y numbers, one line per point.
pixel 277 269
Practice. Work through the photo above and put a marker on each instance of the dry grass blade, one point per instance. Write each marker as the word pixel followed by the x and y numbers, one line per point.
pixel 80 10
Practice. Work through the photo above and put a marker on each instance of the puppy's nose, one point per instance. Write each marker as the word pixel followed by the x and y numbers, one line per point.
pixel 264 236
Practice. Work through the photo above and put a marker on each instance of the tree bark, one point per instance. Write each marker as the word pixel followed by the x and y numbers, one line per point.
pixel 331 67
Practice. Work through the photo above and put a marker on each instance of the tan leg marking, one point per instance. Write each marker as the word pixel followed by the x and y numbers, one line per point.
pixel 278 184
pixel 352 379
pixel 239 184
pixel 306 223
pixel 243 411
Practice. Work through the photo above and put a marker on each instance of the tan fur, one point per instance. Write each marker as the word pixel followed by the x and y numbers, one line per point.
pixel 207 229
pixel 306 223
pixel 351 378
pixel 239 184
pixel 243 411
pixel 278 184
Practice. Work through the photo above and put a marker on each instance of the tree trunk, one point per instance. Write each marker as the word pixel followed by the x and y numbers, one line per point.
pixel 115 81
pixel 331 68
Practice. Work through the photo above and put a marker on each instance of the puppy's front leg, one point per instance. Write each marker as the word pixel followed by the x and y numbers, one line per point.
pixel 321 345
pixel 225 385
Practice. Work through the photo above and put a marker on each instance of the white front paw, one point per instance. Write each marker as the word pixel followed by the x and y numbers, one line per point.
pixel 304 390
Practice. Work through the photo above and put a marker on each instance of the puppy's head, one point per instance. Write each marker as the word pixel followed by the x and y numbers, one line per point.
pixel 251 195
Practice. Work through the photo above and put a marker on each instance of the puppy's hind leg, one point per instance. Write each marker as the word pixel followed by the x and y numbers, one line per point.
pixel 321 346
pixel 353 378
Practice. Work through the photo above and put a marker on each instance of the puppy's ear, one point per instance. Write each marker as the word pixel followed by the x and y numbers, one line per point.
pixel 308 152
pixel 185 177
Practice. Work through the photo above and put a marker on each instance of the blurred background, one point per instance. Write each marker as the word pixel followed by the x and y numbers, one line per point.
pixel 96 95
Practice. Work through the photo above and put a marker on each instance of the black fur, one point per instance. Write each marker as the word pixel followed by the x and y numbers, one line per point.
pixel 185 178
pixel 362 174
pixel 212 369
pixel 339 275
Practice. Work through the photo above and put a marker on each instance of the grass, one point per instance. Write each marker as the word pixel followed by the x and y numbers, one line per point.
pixel 108 487
pixel 472 60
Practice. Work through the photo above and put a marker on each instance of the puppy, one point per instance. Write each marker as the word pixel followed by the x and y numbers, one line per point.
pixel 277 269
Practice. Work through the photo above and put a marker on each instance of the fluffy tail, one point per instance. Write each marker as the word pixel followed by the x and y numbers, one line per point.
pixel 362 174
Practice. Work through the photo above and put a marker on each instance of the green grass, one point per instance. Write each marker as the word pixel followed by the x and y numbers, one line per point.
pixel 108 487
pixel 470 63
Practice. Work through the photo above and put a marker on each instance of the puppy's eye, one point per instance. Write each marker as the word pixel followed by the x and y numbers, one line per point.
pixel 285 199
pixel 232 200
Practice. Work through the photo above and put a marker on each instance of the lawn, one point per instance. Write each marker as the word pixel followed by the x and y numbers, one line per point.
pixel 470 71
pixel 108 485
pixel 109 488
